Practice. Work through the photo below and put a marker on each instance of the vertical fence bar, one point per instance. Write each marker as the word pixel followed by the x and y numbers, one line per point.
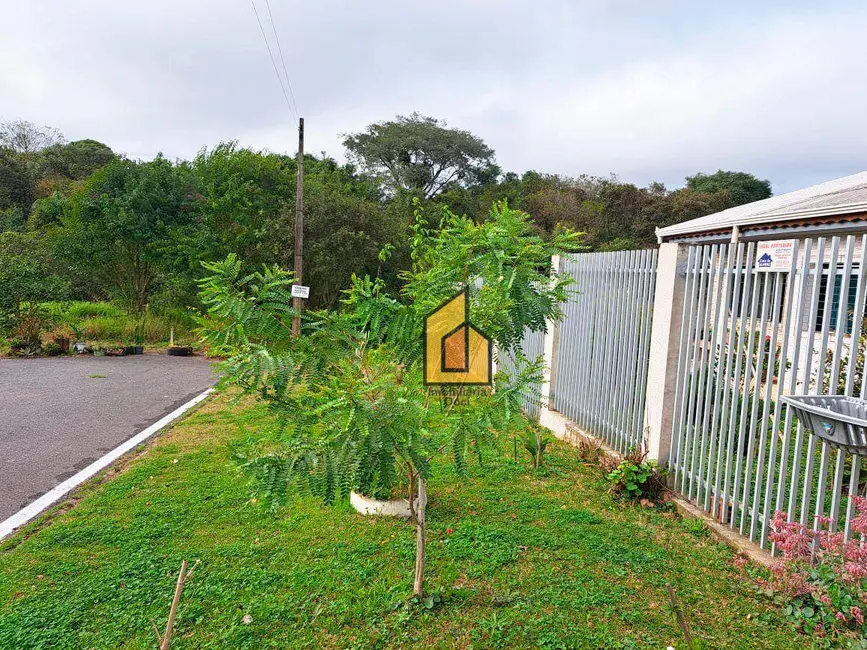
pixel 777 279
pixel 699 261
pixel 751 436
pixel 737 504
pixel 820 374
pixel 646 314
pixel 781 378
pixel 710 391
pixel 854 352
pixel 793 380
pixel 811 337
pixel 729 497
pixel 730 307
pixel 604 348
pixel 701 342
pixel 833 388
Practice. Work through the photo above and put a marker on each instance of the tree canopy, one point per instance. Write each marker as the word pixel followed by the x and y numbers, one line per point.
pixel 421 153
pixel 743 187
pixel 74 160
pixel 137 231
pixel 25 137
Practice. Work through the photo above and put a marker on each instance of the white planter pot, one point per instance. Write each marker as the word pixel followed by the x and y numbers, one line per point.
pixel 368 506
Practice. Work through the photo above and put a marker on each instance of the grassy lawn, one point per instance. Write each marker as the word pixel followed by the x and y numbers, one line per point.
pixel 105 324
pixel 534 559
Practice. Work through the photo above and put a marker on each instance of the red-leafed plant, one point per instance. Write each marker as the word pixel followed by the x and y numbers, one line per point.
pixel 822 577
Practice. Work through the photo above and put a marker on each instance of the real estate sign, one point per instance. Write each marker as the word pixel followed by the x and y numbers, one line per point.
pixel 775 255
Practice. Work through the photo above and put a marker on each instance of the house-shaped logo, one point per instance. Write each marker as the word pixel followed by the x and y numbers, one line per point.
pixel 455 351
pixel 765 261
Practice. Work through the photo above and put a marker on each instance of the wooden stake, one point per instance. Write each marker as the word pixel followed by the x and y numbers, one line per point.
pixel 166 639
pixel 418 586
pixel 298 303
pixel 678 612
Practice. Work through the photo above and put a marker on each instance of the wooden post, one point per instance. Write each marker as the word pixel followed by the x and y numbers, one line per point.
pixel 298 303
pixel 418 586
pixel 166 639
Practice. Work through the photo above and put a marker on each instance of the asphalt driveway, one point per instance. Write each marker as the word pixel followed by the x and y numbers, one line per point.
pixel 59 415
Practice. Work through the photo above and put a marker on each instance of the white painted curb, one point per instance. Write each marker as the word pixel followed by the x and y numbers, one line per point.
pixel 27 513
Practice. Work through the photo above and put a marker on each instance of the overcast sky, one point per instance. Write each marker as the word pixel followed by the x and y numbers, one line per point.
pixel 647 90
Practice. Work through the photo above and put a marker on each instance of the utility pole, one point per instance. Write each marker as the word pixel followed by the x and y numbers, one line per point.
pixel 298 303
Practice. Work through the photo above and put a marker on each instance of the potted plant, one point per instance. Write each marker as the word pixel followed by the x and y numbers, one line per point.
pixel 57 340
pixel 177 350
pixel 138 338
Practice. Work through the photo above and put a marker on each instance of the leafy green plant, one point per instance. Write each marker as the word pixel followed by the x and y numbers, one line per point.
pixel 636 477
pixel 352 411
pixel 535 443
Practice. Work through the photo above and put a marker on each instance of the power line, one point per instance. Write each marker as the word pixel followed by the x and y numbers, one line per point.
pixel 282 60
pixel 273 63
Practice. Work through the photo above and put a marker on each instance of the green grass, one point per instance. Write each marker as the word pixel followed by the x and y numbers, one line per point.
pixel 107 323
pixel 535 559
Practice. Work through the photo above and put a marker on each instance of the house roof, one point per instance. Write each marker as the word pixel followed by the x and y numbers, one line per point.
pixel 845 195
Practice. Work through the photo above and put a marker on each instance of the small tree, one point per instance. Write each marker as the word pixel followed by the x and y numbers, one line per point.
pixel 352 411
pixel 25 280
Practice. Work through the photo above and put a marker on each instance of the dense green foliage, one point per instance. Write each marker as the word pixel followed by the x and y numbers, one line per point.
pixel 137 231
pixel 351 406
pixel 350 394
pixel 419 153
pixel 743 188
pixel 521 559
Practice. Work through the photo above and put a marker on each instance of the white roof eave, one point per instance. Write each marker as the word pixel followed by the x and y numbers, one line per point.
pixel 773 209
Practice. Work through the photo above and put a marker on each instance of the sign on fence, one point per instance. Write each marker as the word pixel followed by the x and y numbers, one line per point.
pixel 774 255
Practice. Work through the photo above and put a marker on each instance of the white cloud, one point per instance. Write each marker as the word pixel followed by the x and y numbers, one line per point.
pixel 646 90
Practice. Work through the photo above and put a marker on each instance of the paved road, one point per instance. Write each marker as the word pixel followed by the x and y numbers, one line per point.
pixel 56 418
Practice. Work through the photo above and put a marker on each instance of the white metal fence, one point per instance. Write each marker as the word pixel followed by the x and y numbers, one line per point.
pixel 750 336
pixel 532 347
pixel 600 367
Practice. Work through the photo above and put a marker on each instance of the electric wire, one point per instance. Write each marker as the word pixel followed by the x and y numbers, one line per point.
pixel 273 62
pixel 282 59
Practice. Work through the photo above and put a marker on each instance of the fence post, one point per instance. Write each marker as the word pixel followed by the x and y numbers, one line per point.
pixel 664 349
pixel 547 416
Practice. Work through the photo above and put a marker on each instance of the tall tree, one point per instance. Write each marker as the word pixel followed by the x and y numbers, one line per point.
pixel 743 187
pixel 118 230
pixel 25 137
pixel 16 183
pixel 421 153
pixel 74 160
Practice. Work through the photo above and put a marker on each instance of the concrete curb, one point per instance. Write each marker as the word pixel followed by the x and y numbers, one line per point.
pixel 8 526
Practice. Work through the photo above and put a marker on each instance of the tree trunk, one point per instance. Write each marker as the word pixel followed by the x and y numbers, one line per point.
pixel 418 586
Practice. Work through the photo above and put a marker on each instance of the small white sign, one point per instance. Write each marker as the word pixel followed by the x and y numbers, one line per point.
pixel 775 255
pixel 300 291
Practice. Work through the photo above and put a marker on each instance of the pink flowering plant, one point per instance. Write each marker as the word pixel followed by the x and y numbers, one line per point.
pixel 822 577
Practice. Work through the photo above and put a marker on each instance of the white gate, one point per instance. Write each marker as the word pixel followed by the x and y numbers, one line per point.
pixel 750 336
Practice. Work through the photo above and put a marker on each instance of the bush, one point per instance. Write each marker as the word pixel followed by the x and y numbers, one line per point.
pixel 636 477
pixel 105 321
pixel 822 578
